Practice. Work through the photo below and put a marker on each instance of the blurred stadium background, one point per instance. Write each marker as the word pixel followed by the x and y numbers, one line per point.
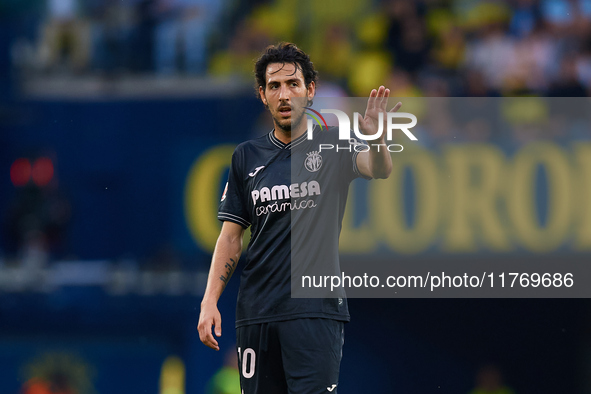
pixel 117 121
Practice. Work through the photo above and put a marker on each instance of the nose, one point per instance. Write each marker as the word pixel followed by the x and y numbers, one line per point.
pixel 284 93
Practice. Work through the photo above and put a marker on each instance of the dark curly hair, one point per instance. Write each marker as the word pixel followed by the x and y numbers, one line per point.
pixel 284 52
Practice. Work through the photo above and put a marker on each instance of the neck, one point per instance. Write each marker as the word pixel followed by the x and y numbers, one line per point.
pixel 287 136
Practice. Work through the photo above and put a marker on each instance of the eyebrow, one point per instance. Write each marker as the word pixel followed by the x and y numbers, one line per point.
pixel 287 81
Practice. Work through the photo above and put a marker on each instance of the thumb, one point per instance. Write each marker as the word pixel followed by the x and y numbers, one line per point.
pixel 360 120
pixel 217 324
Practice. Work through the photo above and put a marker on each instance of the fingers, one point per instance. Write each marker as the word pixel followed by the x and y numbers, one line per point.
pixel 217 326
pixel 384 103
pixel 378 98
pixel 396 107
pixel 372 100
pixel 207 338
pixel 205 334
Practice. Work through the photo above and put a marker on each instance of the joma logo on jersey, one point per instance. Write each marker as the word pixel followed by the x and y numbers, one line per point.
pixel 345 124
pixel 282 192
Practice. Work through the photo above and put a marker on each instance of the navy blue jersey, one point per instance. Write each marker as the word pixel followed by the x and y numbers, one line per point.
pixel 293 196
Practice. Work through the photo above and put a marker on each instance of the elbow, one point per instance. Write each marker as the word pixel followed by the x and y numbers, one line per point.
pixel 382 173
pixel 231 240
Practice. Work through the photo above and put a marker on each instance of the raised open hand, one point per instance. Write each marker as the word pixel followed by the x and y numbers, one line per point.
pixel 376 104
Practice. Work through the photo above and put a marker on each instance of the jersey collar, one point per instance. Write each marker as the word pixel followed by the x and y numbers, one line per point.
pixel 275 141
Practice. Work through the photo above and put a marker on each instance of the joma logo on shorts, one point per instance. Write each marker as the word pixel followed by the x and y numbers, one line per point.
pixel 282 192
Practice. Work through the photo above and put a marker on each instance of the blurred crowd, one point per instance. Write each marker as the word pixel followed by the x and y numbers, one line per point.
pixel 115 36
pixel 418 47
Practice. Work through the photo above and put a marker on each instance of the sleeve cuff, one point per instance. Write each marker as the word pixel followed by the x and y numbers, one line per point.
pixel 228 217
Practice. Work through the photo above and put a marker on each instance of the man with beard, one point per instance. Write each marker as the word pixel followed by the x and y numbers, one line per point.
pixel 288 344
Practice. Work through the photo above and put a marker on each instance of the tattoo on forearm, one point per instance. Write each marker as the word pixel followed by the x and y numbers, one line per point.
pixel 229 271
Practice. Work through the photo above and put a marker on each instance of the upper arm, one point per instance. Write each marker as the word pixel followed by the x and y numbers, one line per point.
pixel 362 161
pixel 233 206
pixel 232 233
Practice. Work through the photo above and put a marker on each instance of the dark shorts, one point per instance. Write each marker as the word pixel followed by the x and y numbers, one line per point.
pixel 300 356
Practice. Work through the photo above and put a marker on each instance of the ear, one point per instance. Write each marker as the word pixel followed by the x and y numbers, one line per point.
pixel 311 90
pixel 262 94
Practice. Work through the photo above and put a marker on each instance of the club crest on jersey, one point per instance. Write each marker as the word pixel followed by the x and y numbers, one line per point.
pixel 313 161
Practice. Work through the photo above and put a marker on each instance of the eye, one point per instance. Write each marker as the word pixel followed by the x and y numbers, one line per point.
pixel 294 84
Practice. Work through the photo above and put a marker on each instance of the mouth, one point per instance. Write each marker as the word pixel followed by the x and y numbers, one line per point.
pixel 285 111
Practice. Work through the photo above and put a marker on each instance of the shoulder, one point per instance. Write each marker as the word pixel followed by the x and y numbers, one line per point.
pixel 259 143
pixel 252 147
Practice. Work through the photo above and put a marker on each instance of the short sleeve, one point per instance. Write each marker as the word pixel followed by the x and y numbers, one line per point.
pixel 232 206
pixel 350 164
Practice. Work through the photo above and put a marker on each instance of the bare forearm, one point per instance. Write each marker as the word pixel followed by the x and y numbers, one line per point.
pixel 224 261
pixel 380 162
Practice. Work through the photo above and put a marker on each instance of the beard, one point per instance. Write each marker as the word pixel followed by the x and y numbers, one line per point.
pixel 294 122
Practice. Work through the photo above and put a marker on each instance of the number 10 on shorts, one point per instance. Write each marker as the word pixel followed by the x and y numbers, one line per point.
pixel 247 362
